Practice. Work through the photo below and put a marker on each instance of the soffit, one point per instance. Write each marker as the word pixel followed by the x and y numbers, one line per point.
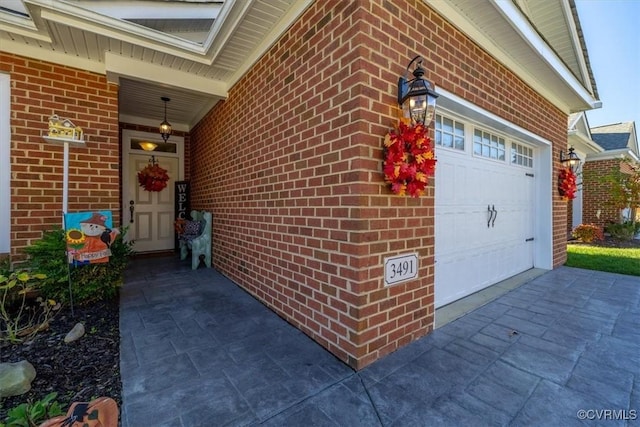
pixel 536 40
pixel 192 51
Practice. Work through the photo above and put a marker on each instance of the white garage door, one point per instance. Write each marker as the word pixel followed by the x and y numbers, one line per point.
pixel 484 216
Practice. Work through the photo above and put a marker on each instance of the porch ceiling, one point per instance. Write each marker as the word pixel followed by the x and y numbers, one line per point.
pixel 192 51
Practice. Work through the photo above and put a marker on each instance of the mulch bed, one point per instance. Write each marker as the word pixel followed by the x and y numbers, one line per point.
pixel 78 371
pixel 610 242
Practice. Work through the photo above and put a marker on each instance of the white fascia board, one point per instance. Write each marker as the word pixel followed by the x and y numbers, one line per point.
pixel 613 154
pixel 573 31
pixel 116 66
pixel 577 137
pixel 75 17
pixel 537 43
pixel 228 13
pixel 515 19
pixel 22 26
pixel 5 163
pixel 152 10
pixel 55 57
pixel 292 15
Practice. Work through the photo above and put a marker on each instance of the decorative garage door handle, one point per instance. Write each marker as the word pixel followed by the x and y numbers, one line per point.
pixel 490 215
pixel 493 213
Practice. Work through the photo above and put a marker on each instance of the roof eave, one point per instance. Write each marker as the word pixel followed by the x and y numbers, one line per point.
pixel 553 80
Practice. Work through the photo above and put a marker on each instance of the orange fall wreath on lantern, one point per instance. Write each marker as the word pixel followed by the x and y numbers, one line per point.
pixel 408 159
pixel 567 184
pixel 153 178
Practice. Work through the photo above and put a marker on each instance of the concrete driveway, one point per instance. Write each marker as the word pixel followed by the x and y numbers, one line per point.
pixel 561 349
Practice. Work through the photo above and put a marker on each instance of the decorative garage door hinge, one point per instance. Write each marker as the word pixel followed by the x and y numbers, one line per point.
pixel 530 239
pixel 529 174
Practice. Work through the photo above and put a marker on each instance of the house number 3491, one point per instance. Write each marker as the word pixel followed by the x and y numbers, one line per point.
pixel 400 268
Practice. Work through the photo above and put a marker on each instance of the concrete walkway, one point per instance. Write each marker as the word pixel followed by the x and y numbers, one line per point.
pixel 197 350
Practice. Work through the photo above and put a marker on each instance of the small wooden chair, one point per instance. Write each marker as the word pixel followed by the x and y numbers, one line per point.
pixel 197 239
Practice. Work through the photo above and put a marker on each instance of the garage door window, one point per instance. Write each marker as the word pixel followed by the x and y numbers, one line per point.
pixel 488 145
pixel 449 133
pixel 521 155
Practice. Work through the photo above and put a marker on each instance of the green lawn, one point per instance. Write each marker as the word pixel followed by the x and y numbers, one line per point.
pixel 613 260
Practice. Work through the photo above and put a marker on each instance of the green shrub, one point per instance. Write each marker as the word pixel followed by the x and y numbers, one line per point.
pixel 32 414
pixel 587 233
pixel 625 231
pixel 91 282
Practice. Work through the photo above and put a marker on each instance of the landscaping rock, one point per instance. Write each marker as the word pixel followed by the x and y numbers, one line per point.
pixel 68 369
pixel 75 333
pixel 15 378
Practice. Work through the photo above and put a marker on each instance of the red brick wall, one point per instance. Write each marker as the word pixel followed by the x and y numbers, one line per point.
pixel 302 217
pixel 38 90
pixel 596 195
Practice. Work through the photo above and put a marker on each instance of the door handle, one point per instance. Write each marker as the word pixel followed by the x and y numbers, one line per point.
pixel 495 215
pixel 131 209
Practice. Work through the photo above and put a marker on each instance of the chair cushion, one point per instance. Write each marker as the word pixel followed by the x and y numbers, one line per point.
pixel 191 230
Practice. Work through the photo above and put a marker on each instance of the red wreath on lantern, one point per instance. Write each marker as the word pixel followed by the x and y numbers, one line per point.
pixel 567 184
pixel 153 177
pixel 409 159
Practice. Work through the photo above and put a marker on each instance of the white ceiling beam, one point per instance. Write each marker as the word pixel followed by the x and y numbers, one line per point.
pixel 118 66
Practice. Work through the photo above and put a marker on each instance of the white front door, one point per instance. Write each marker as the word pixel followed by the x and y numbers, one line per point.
pixel 484 222
pixel 150 214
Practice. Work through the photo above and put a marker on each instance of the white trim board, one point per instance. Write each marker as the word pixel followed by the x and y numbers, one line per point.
pixel 5 163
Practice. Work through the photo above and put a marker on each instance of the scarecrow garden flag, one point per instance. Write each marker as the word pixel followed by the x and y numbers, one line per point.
pixel 89 236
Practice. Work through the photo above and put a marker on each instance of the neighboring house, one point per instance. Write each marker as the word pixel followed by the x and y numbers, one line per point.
pixel 618 141
pixel 580 140
pixel 279 111
pixel 601 150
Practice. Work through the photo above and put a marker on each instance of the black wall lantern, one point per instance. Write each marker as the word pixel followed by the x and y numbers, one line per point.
pixel 417 96
pixel 571 160
pixel 165 126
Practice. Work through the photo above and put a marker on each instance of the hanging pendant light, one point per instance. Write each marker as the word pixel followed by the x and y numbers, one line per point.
pixel 165 126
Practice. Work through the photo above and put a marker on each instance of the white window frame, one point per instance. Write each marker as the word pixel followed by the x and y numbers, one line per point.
pixel 455 121
pixel 529 157
pixel 5 163
pixel 500 139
